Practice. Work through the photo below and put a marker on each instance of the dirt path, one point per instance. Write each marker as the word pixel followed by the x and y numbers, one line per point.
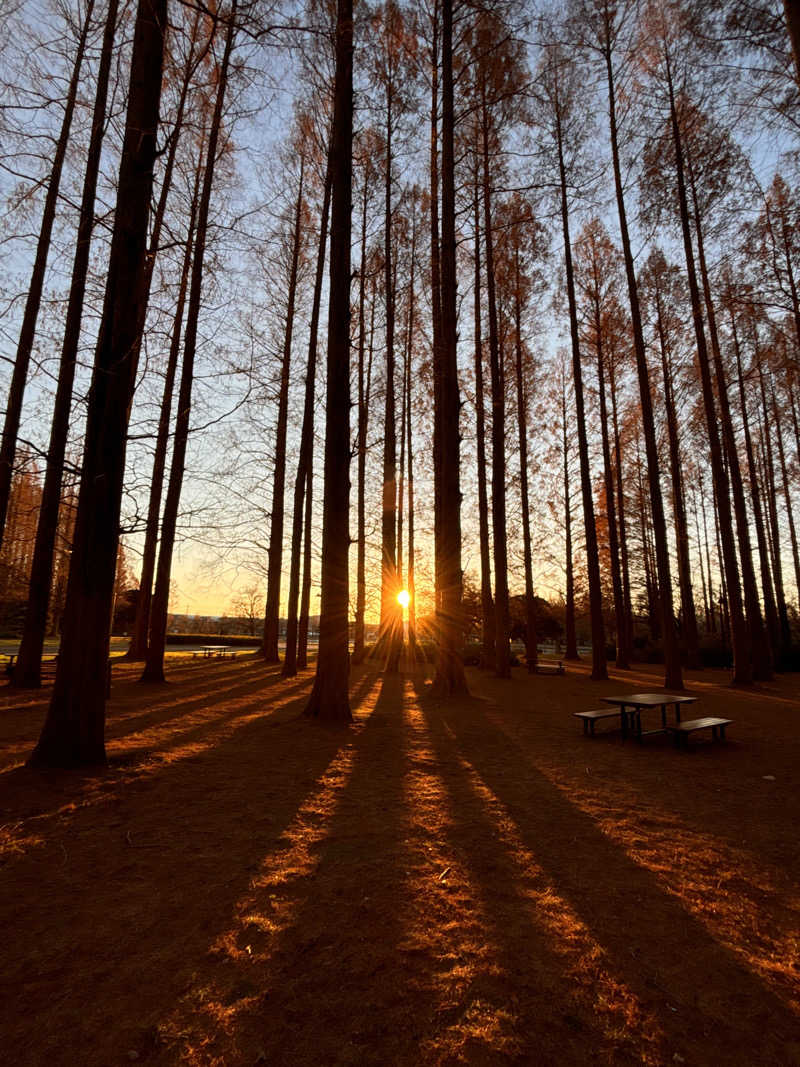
pixel 465 883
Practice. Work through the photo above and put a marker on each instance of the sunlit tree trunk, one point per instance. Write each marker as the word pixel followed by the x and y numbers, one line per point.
pixel 622 660
pixel 522 421
pixel 390 635
pixel 599 668
pixel 305 589
pixel 291 660
pixel 449 678
pixel 673 674
pixel 269 644
pixel 73 732
pixel 761 654
pixel 33 300
pixel 570 637
pixel 689 616
pixel 329 700
pixel 768 590
pixel 141 625
pixel 487 605
pixel 741 642
pixel 502 652
pixel 27 671
pixel 154 663
pixel 410 583
pixel 621 511
pixel 786 488
pixel 364 393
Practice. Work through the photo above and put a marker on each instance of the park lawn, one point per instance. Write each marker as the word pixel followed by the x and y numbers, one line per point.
pixel 474 882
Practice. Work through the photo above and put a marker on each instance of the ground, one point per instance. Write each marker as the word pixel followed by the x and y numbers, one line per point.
pixel 471 882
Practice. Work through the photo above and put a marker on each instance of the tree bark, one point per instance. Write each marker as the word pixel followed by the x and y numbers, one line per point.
pixel 141 626
pixel 502 651
pixel 329 700
pixel 741 642
pixel 33 300
pixel 73 733
pixel 487 604
pixel 762 659
pixel 689 616
pixel 269 644
pixel 673 674
pixel 531 650
pixel 449 678
pixel 767 588
pixel 599 667
pixel 154 664
pixel 27 672
pixel 290 660
pixel 571 643
pixel 390 634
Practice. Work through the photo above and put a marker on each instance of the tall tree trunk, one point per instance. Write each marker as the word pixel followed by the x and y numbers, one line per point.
pixel 673 674
pixel 522 420
pixel 329 700
pixel 571 642
pixel 154 664
pixel 410 584
pixel 390 635
pixel 305 591
pixel 73 731
pixel 28 670
pixel 436 309
pixel 599 667
pixel 654 618
pixel 304 463
pixel 772 502
pixel 704 587
pixel 364 391
pixel 767 588
pixel 502 651
pixel 16 392
pixel 269 644
pixel 741 642
pixel 762 659
pixel 450 677
pixel 487 605
pixel 786 489
pixel 688 613
pixel 708 565
pixel 620 510
pixel 141 625
pixel 622 661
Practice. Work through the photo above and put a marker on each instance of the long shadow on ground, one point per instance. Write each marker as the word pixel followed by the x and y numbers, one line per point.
pixel 695 991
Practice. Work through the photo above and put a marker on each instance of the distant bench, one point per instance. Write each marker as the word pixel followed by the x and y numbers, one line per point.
pixel 550 668
pixel 681 730
pixel 215 652
pixel 589 718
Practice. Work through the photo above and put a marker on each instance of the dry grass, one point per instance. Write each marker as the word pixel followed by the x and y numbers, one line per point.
pixel 465 883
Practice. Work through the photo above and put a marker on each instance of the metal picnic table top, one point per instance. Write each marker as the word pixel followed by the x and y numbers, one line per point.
pixel 636 702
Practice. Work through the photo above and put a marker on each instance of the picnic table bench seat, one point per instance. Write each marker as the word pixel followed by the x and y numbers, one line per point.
pixel 589 718
pixel 550 668
pixel 682 730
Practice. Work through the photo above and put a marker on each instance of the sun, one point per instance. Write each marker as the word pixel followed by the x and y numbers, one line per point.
pixel 404 598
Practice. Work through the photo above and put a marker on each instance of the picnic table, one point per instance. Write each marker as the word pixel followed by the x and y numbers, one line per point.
pixel 631 706
pixel 208 651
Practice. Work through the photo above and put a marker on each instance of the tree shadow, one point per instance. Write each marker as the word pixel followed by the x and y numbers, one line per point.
pixel 113 915
pixel 696 992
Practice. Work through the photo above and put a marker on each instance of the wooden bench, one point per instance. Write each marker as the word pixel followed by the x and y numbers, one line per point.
pixel 681 730
pixel 589 718
pixel 550 668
